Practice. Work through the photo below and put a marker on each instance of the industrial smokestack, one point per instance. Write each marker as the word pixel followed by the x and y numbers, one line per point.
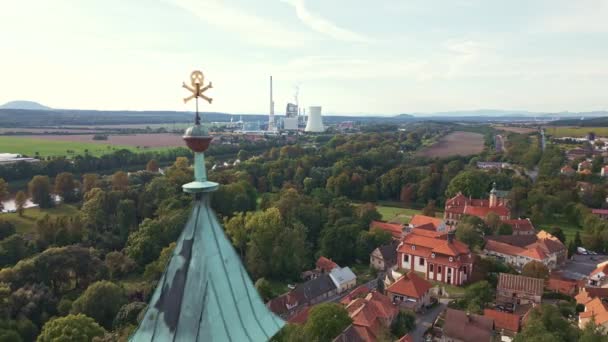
pixel 271 126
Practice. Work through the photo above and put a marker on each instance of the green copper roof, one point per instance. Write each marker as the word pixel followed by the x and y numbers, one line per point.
pixel 205 293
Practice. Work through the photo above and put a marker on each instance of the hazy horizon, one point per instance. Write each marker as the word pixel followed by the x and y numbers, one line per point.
pixel 348 56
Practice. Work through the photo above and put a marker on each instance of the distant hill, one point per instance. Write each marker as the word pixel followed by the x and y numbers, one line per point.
pixel 28 105
pixel 593 122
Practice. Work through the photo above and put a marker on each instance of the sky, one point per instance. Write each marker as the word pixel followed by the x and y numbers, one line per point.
pixel 349 56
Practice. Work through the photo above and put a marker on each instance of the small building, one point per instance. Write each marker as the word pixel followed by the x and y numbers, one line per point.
pixel 521 226
pixel 604 171
pixel 492 165
pixel 517 289
pixel 599 276
pixel 586 294
pixel 584 165
pixel 343 278
pixel 312 292
pixel 461 326
pixel 507 324
pixel 567 170
pixel 410 291
pixel 596 310
pixel 460 205
pixel 439 256
pixel 601 213
pixel 558 283
pixel 370 317
pixel 384 257
pixel 518 250
pixel 585 172
pixel 427 222
pixel 397 230
pixel 323 265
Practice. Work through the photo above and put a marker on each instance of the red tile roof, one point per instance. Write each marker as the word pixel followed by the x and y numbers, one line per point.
pixel 482 212
pixel 597 310
pixel 395 229
pixel 503 320
pixel 601 269
pixel 586 294
pixel 301 317
pixel 369 315
pixel 359 292
pixel 410 285
pixel 562 285
pixel 536 247
pixel 520 224
pixel 427 242
pixel 422 220
pixel 325 264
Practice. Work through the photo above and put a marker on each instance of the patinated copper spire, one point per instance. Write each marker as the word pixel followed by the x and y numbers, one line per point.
pixel 205 293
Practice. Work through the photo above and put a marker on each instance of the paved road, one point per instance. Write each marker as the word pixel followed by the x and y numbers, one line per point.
pixel 424 321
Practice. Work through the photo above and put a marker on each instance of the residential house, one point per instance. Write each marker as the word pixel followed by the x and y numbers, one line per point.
pixel 599 276
pixel 384 257
pixel 517 289
pixel 427 222
pixel 585 172
pixel 604 171
pixel 438 256
pixel 410 291
pixel 312 292
pixel 397 230
pixel 343 278
pixel 323 265
pixel 596 310
pixel 576 153
pixel 518 250
pixel 460 205
pixel 371 316
pixel 586 294
pixel 359 292
pixel 584 165
pixel 521 226
pixel 558 283
pixel 462 326
pixel 567 170
pixel 301 317
pixel 602 213
pixel 507 324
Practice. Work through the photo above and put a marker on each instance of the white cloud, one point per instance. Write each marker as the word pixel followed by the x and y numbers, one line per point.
pixel 324 26
pixel 253 28
pixel 589 16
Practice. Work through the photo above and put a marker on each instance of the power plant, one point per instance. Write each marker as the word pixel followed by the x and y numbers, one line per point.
pixel 315 122
pixel 271 124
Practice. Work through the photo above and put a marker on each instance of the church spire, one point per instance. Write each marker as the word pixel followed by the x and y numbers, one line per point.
pixel 205 293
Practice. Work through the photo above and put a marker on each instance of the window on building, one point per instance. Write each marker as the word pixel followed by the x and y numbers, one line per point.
pixel 438 269
pixel 431 267
pixel 421 261
pixel 449 271
pixel 406 258
pixel 464 269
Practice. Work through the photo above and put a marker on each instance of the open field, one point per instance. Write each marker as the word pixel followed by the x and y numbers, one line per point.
pixel 577 132
pixel 456 143
pixel 401 215
pixel 142 140
pixel 515 129
pixel 27 223
pixel 55 147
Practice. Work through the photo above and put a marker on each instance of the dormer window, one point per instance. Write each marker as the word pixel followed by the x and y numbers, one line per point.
pixel 433 255
pixel 413 247
pixel 451 259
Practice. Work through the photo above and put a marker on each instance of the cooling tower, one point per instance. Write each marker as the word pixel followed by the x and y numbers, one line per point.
pixel 315 122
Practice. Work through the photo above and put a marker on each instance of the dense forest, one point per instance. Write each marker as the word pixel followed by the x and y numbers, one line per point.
pixel 283 206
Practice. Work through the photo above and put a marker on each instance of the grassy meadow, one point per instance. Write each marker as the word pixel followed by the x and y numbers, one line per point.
pixel 48 148
pixel 26 223
pixel 577 132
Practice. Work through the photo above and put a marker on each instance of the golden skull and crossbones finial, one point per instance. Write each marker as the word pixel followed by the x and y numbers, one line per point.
pixel 197 79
